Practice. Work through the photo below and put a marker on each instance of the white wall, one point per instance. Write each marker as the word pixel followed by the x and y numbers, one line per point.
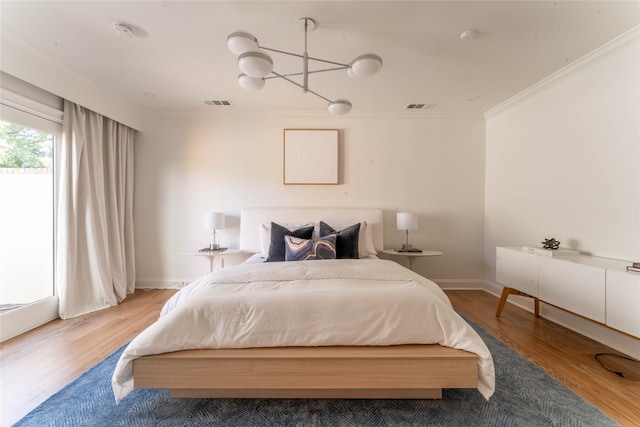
pixel 566 164
pixel 188 164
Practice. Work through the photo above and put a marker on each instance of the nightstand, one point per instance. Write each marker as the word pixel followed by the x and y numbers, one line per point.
pixel 411 256
pixel 213 255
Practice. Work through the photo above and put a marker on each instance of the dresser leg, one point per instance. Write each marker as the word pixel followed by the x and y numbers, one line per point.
pixel 508 291
pixel 503 300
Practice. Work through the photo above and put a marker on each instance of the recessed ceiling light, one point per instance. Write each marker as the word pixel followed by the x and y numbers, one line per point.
pixel 149 94
pixel 473 98
pixel 124 29
pixel 467 35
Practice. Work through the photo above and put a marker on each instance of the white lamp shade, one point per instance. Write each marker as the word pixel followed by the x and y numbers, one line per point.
pixel 255 64
pixel 240 42
pixel 365 65
pixel 339 106
pixel 250 83
pixel 214 221
pixel 406 221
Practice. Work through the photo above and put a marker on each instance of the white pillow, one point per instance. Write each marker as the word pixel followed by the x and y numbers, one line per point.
pixel 368 236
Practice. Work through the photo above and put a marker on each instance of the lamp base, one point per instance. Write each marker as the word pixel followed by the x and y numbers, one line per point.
pixel 208 249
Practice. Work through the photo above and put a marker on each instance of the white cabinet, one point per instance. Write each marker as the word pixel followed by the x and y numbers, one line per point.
pixel 572 286
pixel 518 270
pixel 623 301
pixel 597 289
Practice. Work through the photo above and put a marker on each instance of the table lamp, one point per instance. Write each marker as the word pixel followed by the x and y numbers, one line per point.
pixel 213 221
pixel 406 221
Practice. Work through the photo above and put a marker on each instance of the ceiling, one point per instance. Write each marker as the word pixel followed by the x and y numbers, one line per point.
pixel 179 58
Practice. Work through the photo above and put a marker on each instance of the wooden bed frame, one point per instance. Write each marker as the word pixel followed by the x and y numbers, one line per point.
pixel 400 372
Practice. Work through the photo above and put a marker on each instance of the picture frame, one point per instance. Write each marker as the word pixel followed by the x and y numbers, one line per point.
pixel 310 157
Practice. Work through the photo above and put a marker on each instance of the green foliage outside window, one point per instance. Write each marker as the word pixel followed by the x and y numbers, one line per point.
pixel 22 147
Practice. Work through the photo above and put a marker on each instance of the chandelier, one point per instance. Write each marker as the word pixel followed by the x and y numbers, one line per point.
pixel 257 66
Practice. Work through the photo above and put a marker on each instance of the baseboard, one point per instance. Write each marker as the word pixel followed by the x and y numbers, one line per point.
pixel 460 284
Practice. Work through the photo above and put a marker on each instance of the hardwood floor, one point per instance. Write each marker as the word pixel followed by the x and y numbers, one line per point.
pixel 37 364
pixel 567 356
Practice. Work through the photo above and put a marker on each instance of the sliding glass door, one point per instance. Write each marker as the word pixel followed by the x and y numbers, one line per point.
pixel 27 200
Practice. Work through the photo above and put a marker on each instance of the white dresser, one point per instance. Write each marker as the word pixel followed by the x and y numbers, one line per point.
pixel 597 289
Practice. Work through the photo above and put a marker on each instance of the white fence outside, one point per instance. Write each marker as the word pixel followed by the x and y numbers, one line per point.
pixel 26 235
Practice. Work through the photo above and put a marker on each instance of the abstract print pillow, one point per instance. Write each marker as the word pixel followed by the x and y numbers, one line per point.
pixel 277 246
pixel 346 242
pixel 297 249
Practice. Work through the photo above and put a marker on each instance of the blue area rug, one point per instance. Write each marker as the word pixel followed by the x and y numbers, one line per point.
pixel 525 396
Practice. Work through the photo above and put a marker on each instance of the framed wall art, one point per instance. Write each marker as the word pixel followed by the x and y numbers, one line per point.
pixel 310 156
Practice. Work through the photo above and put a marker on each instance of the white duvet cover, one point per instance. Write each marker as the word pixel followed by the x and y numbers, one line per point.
pixel 306 303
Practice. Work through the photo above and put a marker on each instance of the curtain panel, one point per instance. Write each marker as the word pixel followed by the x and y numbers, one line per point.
pixel 95 260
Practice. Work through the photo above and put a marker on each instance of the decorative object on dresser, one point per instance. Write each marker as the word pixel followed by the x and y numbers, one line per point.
pixel 213 221
pixel 550 244
pixel 257 66
pixel 407 221
pixel 597 289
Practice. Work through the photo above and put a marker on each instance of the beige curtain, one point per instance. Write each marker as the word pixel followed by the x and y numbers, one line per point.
pixel 95 264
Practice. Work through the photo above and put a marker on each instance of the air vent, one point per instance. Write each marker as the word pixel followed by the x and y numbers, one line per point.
pixel 222 103
pixel 420 106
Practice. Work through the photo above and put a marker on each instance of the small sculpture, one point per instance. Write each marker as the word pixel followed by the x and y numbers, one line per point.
pixel 552 244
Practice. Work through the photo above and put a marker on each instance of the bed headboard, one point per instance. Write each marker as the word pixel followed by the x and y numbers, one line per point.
pixel 252 218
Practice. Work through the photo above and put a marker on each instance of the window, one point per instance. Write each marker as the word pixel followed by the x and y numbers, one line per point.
pixel 27 288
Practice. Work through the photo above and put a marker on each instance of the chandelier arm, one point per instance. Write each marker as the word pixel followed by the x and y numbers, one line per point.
pixel 318 95
pixel 287 79
pixel 283 75
pixel 281 51
pixel 329 69
pixel 302 56
pixel 299 85
pixel 310 72
pixel 329 62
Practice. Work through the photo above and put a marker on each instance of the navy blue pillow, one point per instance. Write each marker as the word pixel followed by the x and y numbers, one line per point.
pixel 277 246
pixel 347 241
pixel 297 249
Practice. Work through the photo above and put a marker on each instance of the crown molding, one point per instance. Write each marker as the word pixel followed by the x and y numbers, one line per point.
pixel 624 41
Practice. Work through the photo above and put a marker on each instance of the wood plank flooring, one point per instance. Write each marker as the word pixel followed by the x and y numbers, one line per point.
pixel 567 356
pixel 37 364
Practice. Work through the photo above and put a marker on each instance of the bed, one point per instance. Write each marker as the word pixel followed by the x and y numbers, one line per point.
pixel 339 328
